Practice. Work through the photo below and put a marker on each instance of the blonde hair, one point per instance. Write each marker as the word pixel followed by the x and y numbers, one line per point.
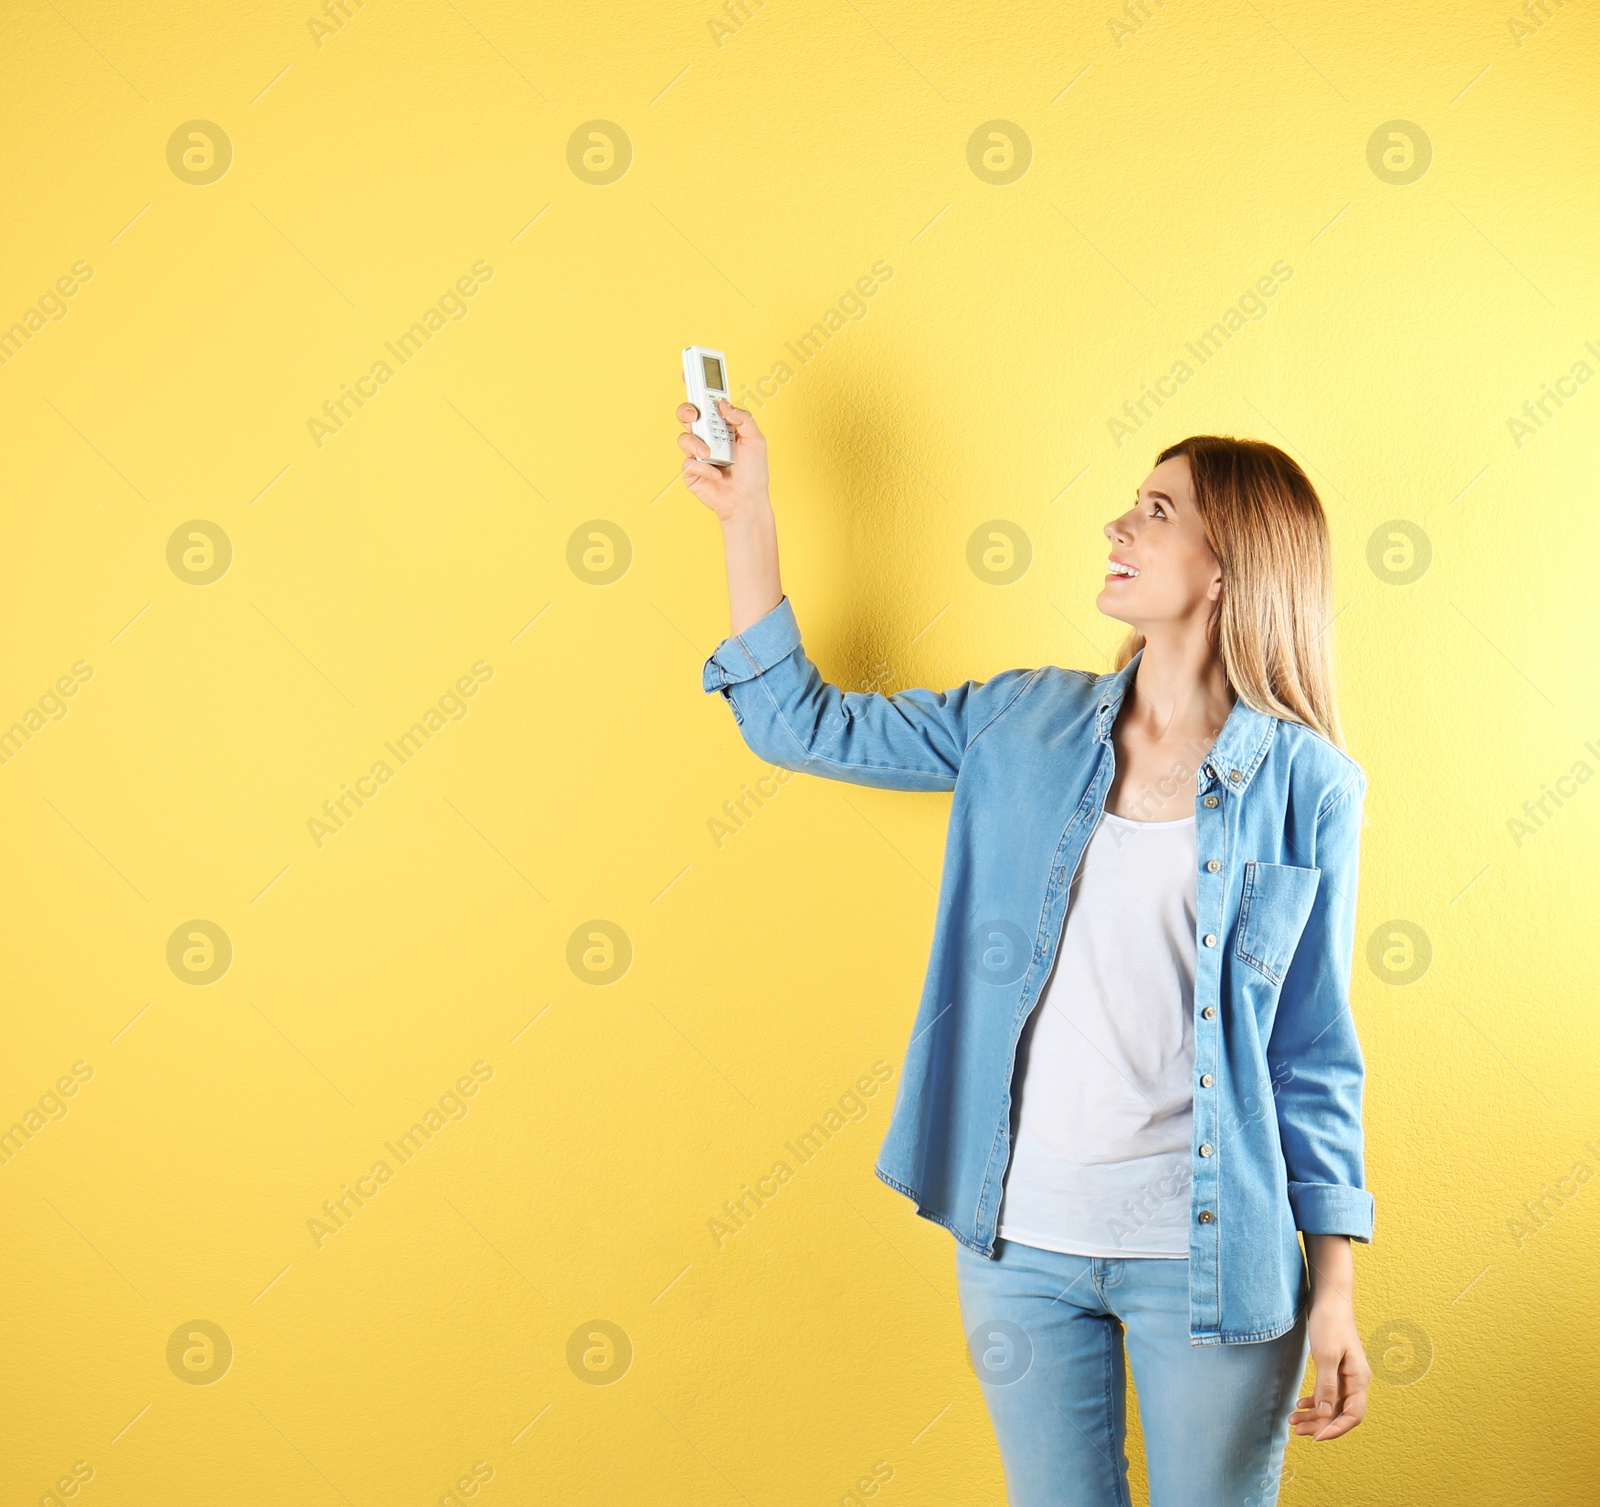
pixel 1271 624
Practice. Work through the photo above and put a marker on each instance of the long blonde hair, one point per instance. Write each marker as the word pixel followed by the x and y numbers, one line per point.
pixel 1271 624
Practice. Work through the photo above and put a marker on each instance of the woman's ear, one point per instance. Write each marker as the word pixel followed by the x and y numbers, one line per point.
pixel 1214 617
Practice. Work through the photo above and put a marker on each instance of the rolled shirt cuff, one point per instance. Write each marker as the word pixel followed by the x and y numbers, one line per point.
pixel 1332 1209
pixel 766 642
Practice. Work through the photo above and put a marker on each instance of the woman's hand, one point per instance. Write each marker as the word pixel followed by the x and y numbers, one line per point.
pixel 737 494
pixel 729 491
pixel 1339 1401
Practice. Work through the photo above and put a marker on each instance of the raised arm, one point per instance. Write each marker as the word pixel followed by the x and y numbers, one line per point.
pixel 787 712
pixel 738 496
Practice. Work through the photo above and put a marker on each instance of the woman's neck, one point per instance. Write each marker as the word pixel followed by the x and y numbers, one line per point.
pixel 1180 689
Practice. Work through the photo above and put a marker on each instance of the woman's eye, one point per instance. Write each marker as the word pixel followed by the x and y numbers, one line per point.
pixel 1159 510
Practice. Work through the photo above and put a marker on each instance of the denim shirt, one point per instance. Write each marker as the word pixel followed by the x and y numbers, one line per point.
pixel 1277 1142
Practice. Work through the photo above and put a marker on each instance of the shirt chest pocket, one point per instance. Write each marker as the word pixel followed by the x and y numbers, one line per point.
pixel 1277 902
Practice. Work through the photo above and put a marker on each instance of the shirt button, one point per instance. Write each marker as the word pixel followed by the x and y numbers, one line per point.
pixel 1233 774
pixel 1206 1216
pixel 1206 1080
pixel 1206 1149
pixel 1211 800
pixel 1211 939
pixel 1212 866
pixel 1209 1011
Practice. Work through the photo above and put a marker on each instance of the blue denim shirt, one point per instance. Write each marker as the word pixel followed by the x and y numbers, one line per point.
pixel 1277 1142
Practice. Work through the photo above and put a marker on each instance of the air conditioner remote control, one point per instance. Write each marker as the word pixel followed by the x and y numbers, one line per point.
pixel 705 377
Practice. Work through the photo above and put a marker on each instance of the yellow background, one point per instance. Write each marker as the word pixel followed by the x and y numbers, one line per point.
pixel 772 165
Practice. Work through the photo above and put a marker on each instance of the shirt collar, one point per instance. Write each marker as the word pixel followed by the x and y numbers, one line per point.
pixel 1240 747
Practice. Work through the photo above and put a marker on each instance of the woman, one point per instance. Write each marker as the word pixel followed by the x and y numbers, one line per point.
pixel 1132 1165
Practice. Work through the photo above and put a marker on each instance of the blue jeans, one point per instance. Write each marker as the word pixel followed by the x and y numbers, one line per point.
pixel 1046 1333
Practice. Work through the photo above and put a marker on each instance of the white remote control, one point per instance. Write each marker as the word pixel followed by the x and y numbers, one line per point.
pixel 705 377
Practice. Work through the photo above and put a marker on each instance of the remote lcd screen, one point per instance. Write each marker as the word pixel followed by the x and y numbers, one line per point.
pixel 713 373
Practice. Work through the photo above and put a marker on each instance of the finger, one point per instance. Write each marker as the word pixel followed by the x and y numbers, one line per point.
pixel 1355 1403
pixel 1314 1412
pixel 1326 1394
pixel 741 421
pixel 1321 1419
pixel 687 413
pixel 693 446
pixel 1325 1417
pixel 695 471
pixel 1339 1427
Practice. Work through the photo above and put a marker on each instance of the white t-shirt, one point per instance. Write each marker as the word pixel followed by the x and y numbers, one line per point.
pixel 1103 1108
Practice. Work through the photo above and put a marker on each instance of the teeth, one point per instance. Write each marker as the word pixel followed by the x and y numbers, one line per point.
pixel 1122 570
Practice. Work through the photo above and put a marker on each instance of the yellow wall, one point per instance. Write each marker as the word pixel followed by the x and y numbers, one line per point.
pixel 773 163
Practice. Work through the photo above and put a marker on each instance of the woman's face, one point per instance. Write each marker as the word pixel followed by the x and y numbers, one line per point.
pixel 1162 569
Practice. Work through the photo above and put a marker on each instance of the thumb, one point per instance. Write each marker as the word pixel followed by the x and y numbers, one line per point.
pixel 741 421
